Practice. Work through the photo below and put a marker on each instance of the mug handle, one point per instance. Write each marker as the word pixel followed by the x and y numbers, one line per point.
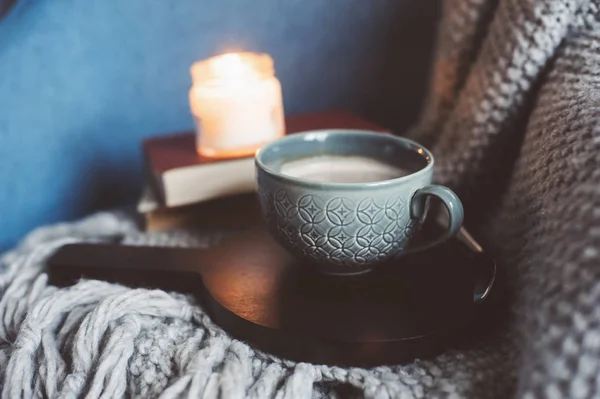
pixel 450 201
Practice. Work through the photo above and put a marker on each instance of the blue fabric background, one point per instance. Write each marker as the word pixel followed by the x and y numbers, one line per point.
pixel 81 82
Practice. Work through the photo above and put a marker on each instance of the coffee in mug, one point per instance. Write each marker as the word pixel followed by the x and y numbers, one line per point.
pixel 342 169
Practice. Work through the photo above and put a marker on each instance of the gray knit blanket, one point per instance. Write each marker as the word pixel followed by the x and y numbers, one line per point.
pixel 513 116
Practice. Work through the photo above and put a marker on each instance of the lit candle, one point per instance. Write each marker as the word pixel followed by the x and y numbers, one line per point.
pixel 237 104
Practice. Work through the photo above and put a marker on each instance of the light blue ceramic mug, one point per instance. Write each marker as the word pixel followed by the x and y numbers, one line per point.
pixel 347 227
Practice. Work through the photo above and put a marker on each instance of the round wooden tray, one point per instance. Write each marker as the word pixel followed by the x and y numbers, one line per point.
pixel 257 292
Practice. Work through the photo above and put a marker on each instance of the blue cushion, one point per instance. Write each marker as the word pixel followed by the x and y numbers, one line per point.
pixel 81 82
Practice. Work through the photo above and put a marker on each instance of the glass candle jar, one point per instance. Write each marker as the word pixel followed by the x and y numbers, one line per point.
pixel 237 104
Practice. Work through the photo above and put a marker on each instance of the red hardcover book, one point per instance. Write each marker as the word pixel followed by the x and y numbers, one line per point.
pixel 179 176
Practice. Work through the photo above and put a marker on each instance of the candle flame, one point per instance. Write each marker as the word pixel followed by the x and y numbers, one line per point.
pixel 233 68
pixel 232 65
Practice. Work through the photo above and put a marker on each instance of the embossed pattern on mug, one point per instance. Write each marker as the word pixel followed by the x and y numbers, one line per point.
pixel 340 229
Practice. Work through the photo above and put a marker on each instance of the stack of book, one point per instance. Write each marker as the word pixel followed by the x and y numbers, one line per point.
pixel 184 190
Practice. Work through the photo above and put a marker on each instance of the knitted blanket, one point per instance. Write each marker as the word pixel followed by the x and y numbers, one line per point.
pixel 513 116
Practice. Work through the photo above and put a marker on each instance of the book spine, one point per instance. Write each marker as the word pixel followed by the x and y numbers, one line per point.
pixel 155 181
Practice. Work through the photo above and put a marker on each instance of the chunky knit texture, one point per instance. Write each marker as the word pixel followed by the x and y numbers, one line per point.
pixel 514 119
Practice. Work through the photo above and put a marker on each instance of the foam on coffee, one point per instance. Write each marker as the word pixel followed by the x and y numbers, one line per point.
pixel 342 169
